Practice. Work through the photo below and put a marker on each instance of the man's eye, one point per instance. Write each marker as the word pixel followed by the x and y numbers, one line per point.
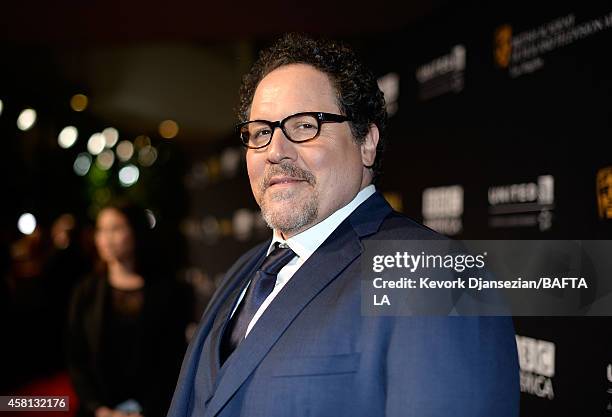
pixel 262 132
pixel 306 125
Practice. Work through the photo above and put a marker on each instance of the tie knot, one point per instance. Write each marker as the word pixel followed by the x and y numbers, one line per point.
pixel 277 259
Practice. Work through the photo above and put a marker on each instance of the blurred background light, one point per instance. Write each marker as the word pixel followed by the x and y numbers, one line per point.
pixel 124 150
pixel 242 224
pixel 105 160
pixel 389 84
pixel 168 129
pixel 102 195
pixel 26 119
pixel 82 163
pixel 67 137
pixel 211 229
pixel 78 102
pixel 111 136
pixel 147 156
pixel 230 161
pixel 151 217
pixel 142 141
pixel 96 143
pixel 26 223
pixel 1 106
pixel 128 175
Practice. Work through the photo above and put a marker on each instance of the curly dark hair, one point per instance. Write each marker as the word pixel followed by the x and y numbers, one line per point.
pixel 359 97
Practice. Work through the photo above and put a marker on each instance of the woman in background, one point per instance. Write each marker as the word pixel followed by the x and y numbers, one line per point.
pixel 127 322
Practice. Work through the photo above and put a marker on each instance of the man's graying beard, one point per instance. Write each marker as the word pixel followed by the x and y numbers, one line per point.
pixel 303 213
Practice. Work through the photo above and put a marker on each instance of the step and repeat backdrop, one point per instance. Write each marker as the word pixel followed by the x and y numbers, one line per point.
pixel 500 128
pixel 503 130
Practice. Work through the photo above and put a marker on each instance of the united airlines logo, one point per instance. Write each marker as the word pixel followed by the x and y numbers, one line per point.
pixel 523 205
pixel 444 74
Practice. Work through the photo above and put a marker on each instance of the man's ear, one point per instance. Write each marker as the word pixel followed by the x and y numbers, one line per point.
pixel 368 147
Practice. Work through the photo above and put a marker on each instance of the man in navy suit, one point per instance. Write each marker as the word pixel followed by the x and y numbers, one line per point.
pixel 284 334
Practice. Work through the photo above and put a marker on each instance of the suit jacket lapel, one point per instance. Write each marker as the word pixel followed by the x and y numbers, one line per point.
pixel 334 255
pixel 181 401
pixel 220 323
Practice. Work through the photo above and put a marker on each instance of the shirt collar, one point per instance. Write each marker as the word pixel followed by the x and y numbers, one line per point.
pixel 304 244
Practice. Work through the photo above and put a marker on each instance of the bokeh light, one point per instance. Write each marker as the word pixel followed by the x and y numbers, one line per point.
pixel 168 129
pixel 142 141
pixel 128 175
pixel 78 102
pixel 96 143
pixel 26 119
pixel 125 150
pixel 67 137
pixel 105 160
pixel 82 163
pixel 151 218
pixel 26 223
pixel 111 136
pixel 147 156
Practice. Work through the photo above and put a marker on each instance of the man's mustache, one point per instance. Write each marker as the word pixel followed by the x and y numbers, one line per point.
pixel 286 169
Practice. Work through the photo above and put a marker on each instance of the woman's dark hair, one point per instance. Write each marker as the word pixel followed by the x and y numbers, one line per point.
pixel 359 97
pixel 144 249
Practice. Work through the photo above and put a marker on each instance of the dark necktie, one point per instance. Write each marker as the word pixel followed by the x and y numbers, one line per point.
pixel 261 286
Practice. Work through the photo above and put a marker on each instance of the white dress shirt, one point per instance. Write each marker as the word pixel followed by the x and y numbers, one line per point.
pixel 304 244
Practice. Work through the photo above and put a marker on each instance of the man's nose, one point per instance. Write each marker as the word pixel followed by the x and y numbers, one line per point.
pixel 280 147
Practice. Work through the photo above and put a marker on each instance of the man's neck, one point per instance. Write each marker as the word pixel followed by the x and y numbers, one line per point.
pixel 316 233
pixel 291 233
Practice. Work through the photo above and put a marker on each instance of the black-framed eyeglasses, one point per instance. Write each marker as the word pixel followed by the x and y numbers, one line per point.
pixel 299 127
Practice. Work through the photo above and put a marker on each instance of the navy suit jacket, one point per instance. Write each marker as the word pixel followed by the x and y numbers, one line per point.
pixel 312 353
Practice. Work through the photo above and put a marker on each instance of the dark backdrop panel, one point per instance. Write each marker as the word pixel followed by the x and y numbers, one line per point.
pixel 534 131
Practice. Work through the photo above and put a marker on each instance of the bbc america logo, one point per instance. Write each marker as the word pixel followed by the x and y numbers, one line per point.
pixel 443 209
pixel 537 363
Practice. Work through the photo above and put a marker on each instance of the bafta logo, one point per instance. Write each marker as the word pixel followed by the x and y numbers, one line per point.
pixel 604 192
pixel 503 46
